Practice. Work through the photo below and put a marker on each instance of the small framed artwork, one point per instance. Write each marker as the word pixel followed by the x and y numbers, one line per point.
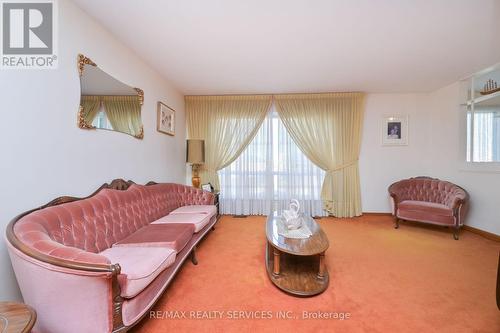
pixel 207 187
pixel 165 119
pixel 394 130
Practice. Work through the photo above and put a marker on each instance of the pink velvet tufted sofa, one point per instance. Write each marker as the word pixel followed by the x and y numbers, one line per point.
pixel 429 200
pixel 99 263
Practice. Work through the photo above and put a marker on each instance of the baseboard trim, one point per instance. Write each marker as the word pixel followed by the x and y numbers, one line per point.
pixel 485 234
pixel 376 214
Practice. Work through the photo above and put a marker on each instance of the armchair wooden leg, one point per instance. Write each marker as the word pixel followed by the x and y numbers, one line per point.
pixel 455 232
pixel 396 223
pixel 194 260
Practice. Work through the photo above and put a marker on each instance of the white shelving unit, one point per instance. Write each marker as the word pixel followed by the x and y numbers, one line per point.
pixel 474 102
pixel 486 100
pixel 475 84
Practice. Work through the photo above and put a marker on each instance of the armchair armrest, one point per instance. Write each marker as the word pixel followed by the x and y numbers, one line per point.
pixel 457 197
pixel 456 202
pixel 396 191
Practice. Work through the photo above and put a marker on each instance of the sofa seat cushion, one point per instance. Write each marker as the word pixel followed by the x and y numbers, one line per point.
pixel 198 220
pixel 196 209
pixel 425 211
pixel 139 266
pixel 171 235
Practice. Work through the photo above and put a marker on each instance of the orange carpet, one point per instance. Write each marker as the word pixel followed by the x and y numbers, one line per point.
pixel 414 279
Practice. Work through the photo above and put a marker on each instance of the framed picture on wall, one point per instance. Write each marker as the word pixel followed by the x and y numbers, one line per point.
pixel 207 187
pixel 165 119
pixel 394 130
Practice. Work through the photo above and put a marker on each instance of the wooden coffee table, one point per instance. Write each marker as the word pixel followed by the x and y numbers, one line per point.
pixel 297 266
pixel 16 317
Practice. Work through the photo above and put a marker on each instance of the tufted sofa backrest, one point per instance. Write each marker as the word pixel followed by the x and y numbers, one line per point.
pixel 96 223
pixel 427 189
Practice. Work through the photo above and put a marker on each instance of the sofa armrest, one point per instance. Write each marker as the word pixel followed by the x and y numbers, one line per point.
pixel 66 263
pixel 71 257
pixel 33 240
pixel 194 196
pixel 39 246
pixel 62 297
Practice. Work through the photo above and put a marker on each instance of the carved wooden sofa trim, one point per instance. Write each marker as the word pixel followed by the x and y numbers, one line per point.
pixel 111 270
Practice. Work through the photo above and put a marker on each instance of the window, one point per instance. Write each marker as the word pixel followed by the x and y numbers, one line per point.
pixel 483 135
pixel 101 120
pixel 269 173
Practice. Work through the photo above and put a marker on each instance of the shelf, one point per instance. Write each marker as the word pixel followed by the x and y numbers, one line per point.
pixel 486 100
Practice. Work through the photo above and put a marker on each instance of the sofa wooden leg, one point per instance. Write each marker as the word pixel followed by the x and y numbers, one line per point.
pixel 396 223
pixel 194 260
pixel 455 233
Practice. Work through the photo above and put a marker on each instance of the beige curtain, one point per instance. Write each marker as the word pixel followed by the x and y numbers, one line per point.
pixel 124 113
pixel 227 124
pixel 327 128
pixel 90 106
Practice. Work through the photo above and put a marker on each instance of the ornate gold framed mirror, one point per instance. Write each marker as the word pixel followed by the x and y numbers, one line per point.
pixel 107 103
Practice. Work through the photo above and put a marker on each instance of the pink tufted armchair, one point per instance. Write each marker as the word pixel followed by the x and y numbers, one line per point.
pixel 429 200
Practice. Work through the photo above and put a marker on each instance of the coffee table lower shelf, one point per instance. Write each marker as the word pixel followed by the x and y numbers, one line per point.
pixel 298 275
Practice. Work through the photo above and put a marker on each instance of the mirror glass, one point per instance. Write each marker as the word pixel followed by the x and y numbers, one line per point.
pixel 106 103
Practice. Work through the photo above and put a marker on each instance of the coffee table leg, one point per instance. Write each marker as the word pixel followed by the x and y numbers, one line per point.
pixel 276 269
pixel 321 271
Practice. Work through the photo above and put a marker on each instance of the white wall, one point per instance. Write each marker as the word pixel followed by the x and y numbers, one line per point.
pixel 45 155
pixel 435 149
pixel 380 165
pixel 447 156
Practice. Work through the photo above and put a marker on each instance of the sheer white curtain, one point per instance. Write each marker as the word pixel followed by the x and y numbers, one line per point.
pixel 486 135
pixel 271 171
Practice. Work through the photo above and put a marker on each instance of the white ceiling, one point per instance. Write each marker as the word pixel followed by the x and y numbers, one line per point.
pixel 276 46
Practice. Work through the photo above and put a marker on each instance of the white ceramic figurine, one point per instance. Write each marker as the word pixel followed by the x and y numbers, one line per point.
pixel 291 216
